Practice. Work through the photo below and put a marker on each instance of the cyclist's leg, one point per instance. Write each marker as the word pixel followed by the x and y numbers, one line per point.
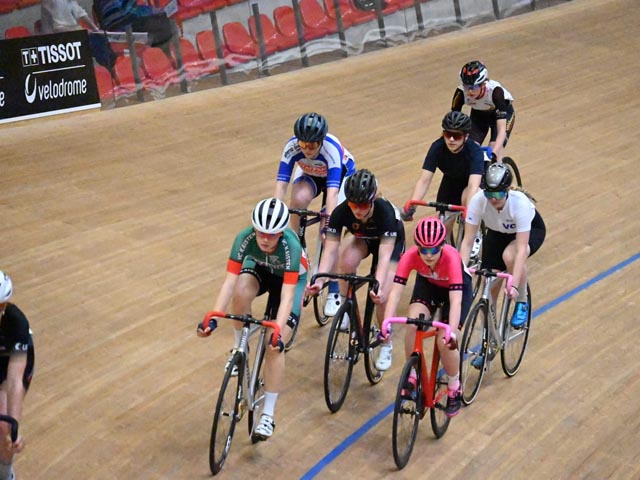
pixel 479 126
pixel 493 247
pixel 247 288
pixel 303 190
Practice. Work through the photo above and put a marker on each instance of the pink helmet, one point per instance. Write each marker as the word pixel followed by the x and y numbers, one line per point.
pixel 430 232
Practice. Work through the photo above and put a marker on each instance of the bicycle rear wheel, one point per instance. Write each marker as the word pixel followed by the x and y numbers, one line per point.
pixel 373 374
pixel 258 387
pixel 406 413
pixel 439 420
pixel 339 359
pixel 228 412
pixel 473 356
pixel 514 340
pixel 511 164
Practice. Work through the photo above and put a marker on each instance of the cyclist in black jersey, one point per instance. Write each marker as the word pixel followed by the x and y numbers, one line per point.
pixel 16 371
pixel 374 229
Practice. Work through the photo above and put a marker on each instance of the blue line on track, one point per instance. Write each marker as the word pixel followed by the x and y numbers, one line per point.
pixel 355 436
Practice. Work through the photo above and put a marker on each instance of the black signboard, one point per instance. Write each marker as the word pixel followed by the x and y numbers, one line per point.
pixel 46 75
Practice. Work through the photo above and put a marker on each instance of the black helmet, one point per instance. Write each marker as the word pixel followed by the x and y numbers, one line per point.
pixel 455 120
pixel 361 187
pixel 310 127
pixel 473 73
pixel 497 178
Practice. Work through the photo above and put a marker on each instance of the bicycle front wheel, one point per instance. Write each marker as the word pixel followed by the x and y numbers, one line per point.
pixel 227 414
pixel 439 420
pixel 257 387
pixel 294 334
pixel 373 374
pixel 339 358
pixel 511 165
pixel 514 340
pixel 406 413
pixel 473 355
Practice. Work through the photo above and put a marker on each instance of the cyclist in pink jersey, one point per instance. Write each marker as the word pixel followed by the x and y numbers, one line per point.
pixel 441 281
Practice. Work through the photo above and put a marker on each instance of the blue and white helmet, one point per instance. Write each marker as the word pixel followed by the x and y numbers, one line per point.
pixel 270 216
pixel 6 287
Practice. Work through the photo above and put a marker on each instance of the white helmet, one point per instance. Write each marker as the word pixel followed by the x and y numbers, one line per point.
pixel 6 287
pixel 270 216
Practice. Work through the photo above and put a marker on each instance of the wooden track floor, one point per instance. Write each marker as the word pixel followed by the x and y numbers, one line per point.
pixel 117 225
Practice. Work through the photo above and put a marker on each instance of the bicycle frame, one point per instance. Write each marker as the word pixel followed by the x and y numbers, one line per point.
pixel 423 332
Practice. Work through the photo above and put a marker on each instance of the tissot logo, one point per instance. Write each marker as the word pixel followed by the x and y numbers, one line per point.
pixel 51 54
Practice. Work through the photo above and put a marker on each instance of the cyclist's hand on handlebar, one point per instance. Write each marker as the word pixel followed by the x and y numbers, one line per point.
pixel 206 326
pixel 512 293
pixel 313 290
pixel 452 343
pixel 377 297
pixel 280 345
pixel 408 213
pixel 14 447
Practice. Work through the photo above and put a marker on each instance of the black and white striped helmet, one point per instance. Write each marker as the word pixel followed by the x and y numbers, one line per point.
pixel 474 73
pixel 270 216
pixel 6 287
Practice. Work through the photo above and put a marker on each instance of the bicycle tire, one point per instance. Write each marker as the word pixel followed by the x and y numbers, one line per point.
pixel 514 341
pixel 318 307
pixel 371 330
pixel 339 359
pixel 294 334
pixel 255 411
pixel 406 414
pixel 227 414
pixel 511 164
pixel 439 420
pixel 474 346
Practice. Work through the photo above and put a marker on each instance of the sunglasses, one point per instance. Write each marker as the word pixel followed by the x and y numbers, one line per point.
pixel 359 206
pixel 472 87
pixel 429 250
pixel 308 145
pixel 453 135
pixel 495 195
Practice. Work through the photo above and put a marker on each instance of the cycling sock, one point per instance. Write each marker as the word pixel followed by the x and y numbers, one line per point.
pixel 269 403
pixel 522 294
pixel 453 385
pixel 334 286
pixel 6 471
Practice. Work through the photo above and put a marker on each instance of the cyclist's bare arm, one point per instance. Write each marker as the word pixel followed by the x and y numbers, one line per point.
pixel 470 232
pixel 222 302
pixel 385 250
pixel 472 187
pixel 281 190
pixel 327 262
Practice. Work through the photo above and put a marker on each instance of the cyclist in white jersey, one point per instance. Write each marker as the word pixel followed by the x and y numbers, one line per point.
pixel 515 231
pixel 491 106
pixel 322 164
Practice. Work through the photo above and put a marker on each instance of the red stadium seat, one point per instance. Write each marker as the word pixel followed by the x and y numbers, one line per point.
pixel 314 17
pixel 239 42
pixel 106 85
pixel 206 46
pixel 273 40
pixel 285 23
pixel 19 31
pixel 194 66
pixel 123 71
pixel 400 4
pixel 158 68
pixel 7 6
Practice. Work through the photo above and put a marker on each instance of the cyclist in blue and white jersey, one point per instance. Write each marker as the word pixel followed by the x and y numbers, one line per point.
pixel 321 165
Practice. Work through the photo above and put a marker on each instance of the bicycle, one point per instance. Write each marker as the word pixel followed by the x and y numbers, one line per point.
pixel 485 335
pixel 320 299
pixel 345 345
pixel 241 393
pixel 429 392
pixel 508 161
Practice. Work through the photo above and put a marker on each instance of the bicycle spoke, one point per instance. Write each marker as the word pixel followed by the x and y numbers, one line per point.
pixel 473 353
pixel 339 359
pixel 406 414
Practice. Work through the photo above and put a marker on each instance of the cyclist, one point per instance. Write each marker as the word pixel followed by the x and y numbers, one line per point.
pixel 491 106
pixel 16 370
pixel 321 164
pixel 266 257
pixel 441 280
pixel 515 231
pixel 374 229
pixel 459 158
